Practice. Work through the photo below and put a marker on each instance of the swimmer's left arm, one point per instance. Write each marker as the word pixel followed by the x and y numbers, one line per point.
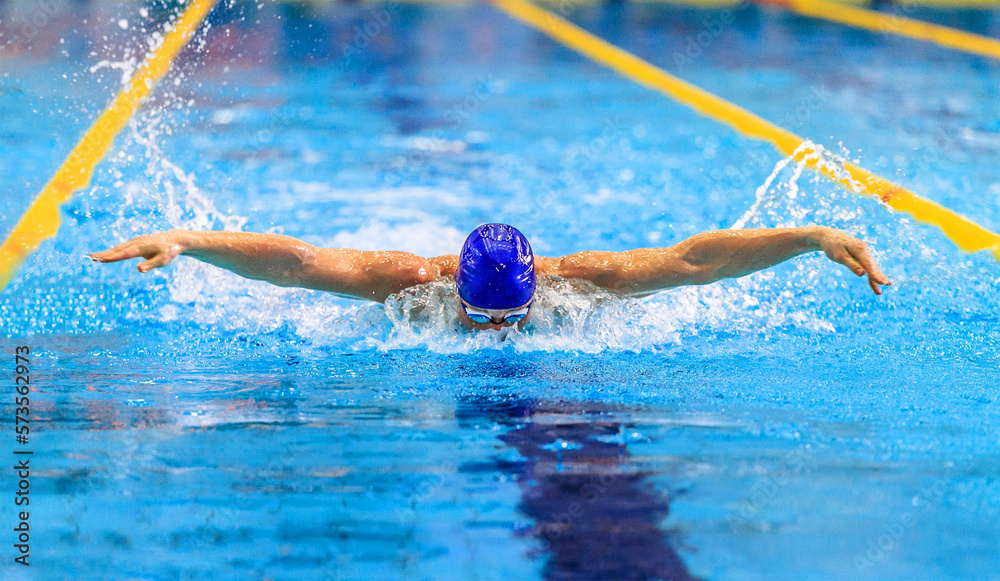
pixel 711 256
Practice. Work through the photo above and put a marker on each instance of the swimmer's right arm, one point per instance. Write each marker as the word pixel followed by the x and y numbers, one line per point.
pixel 286 261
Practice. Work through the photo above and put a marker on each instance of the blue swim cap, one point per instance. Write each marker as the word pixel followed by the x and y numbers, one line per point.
pixel 496 269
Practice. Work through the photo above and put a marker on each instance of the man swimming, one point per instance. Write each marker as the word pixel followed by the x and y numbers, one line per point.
pixel 496 270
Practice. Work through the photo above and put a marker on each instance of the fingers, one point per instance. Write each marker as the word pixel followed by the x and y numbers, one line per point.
pixel 861 254
pixel 159 260
pixel 875 275
pixel 849 261
pixel 854 254
pixel 123 251
pixel 157 251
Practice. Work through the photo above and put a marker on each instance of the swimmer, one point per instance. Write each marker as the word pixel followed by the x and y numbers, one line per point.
pixel 496 270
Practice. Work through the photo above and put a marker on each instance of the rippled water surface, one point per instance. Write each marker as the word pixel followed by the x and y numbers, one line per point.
pixel 189 424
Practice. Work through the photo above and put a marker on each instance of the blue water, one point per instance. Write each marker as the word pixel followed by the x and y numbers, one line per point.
pixel 788 425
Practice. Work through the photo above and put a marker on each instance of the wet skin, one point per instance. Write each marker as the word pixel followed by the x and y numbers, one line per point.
pixel 376 275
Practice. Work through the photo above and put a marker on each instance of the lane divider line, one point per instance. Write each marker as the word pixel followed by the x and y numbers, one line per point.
pixel 41 220
pixel 966 234
pixel 892 24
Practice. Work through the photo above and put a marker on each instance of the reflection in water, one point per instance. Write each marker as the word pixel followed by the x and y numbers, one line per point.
pixel 595 515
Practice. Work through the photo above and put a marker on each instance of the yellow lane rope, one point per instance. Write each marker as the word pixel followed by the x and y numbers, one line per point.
pixel 893 24
pixel 41 221
pixel 966 234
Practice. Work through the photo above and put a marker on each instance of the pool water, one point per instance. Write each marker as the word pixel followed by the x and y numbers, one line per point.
pixel 189 424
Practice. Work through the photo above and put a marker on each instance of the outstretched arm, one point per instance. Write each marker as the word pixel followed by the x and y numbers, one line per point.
pixel 712 256
pixel 284 261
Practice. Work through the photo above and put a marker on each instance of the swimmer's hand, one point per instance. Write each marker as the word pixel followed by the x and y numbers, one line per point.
pixel 158 249
pixel 845 249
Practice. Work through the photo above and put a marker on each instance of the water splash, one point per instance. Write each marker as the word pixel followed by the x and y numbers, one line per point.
pixel 928 281
pixel 782 203
pixel 567 315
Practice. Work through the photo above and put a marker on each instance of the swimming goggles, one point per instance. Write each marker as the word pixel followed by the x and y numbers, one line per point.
pixel 484 317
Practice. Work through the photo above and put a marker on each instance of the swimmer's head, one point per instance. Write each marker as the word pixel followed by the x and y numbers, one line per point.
pixel 496 270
